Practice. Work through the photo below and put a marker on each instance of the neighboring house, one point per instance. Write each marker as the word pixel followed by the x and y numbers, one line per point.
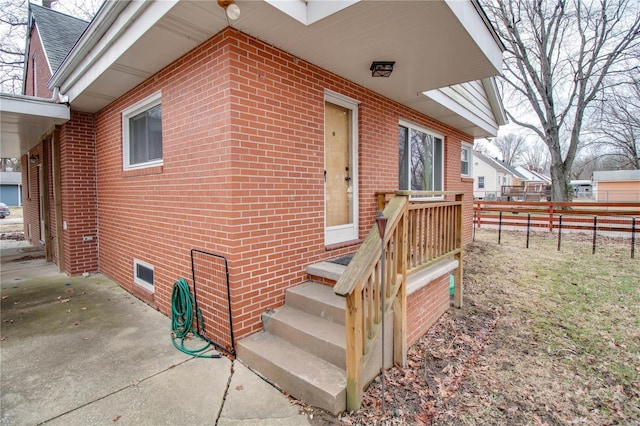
pixel 616 185
pixel 263 140
pixel 490 176
pixel 582 189
pixel 11 188
pixel 536 185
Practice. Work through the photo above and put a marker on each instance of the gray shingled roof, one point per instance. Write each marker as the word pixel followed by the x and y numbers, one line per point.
pixel 59 32
pixel 499 164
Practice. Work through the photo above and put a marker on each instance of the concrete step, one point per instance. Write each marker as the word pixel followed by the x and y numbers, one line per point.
pixel 317 299
pixel 300 373
pixel 327 270
pixel 321 337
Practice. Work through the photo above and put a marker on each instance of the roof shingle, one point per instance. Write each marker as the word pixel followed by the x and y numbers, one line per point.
pixel 59 32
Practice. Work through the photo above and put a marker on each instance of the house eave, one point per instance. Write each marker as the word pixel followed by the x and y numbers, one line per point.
pixel 25 119
pixel 113 56
pixel 479 117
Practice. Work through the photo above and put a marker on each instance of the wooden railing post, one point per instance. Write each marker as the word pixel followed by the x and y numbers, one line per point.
pixel 457 275
pixel 400 302
pixel 354 348
pixel 417 235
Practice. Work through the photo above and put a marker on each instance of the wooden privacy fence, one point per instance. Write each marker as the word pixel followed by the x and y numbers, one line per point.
pixel 418 233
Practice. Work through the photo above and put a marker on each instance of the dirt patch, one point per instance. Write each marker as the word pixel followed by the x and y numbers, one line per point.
pixel 27 257
pixel 545 337
pixel 14 236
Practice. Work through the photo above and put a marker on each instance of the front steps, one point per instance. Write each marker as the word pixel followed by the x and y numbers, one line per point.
pixel 302 348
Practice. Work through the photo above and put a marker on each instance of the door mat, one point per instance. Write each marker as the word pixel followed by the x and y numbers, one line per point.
pixel 344 260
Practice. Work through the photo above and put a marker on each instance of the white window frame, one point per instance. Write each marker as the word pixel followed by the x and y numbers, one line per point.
pixel 481 186
pixel 412 125
pixel 139 281
pixel 469 150
pixel 140 107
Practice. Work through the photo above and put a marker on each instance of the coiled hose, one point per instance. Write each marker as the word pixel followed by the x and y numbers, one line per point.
pixel 182 310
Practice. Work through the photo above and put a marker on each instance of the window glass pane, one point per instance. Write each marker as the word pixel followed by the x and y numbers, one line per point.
pixel 154 118
pixel 423 170
pixel 437 165
pixel 138 139
pixel 144 273
pixel 145 136
pixel 420 161
pixel 464 161
pixel 464 168
pixel 403 161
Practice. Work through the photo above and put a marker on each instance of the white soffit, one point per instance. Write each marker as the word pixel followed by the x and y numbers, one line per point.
pixel 434 43
pixel 309 11
pixel 24 120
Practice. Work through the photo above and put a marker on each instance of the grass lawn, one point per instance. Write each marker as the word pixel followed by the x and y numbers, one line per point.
pixel 566 345
pixel 7 225
pixel 545 337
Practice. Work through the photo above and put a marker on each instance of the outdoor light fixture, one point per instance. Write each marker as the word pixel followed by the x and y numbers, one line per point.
pixel 231 9
pixel 381 68
pixel 34 159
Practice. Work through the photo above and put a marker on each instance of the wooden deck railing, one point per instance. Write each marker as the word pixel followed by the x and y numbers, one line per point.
pixel 418 234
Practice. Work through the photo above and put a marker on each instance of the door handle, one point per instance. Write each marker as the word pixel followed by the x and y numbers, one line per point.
pixel 325 175
pixel 347 177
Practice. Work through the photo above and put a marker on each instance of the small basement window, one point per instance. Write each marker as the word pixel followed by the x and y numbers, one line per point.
pixel 143 274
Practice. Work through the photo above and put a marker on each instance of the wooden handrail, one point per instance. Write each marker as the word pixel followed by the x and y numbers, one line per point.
pixel 418 233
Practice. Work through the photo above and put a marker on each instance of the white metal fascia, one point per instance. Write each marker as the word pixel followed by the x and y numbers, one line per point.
pixel 30 27
pixel 93 33
pixel 26 57
pixel 38 107
pixel 109 35
pixel 493 96
pixel 480 30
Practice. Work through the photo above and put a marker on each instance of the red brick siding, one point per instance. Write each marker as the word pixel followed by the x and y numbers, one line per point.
pixel 78 187
pixel 30 195
pixel 43 72
pixel 243 140
pixel 425 306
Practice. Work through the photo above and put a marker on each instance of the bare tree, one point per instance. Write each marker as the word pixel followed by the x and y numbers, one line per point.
pixel 620 126
pixel 13 26
pixel 10 165
pixel 560 55
pixel 536 156
pixel 481 146
pixel 511 147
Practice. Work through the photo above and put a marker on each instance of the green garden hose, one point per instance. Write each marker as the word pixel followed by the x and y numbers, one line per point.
pixel 182 310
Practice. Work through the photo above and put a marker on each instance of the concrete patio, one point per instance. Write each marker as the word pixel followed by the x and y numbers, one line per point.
pixel 80 350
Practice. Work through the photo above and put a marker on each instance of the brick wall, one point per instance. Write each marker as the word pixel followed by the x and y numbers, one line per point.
pixel 42 72
pixel 30 196
pixel 242 173
pixel 78 188
pixel 425 306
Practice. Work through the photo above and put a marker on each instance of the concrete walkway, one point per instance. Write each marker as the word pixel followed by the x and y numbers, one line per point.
pixel 82 351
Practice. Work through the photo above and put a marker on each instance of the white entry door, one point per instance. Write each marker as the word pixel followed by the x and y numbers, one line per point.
pixel 341 172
